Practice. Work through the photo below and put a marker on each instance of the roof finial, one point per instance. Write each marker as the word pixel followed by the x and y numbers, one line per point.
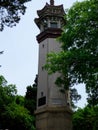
pixel 51 2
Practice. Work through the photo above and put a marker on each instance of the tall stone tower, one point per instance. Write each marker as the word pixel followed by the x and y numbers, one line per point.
pixel 53 111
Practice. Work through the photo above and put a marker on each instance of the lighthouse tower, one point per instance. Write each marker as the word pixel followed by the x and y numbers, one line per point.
pixel 53 111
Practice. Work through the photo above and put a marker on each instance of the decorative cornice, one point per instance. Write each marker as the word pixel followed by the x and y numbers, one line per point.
pixel 49 33
pixel 63 109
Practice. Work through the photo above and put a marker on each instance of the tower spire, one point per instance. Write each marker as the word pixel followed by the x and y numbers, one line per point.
pixel 51 2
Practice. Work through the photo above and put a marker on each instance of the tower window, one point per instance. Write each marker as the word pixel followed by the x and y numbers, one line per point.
pixel 53 25
pixel 42 94
pixel 43 45
pixel 42 68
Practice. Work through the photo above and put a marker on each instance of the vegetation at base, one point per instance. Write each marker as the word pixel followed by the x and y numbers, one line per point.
pixel 13 113
pixel 31 97
pixel 86 118
pixel 17 112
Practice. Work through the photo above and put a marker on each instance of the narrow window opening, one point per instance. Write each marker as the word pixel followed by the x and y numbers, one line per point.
pixel 43 45
pixel 53 25
pixel 42 94
pixel 42 68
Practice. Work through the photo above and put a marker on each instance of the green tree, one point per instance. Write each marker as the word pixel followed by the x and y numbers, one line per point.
pixel 17 117
pixel 31 97
pixel 78 60
pixel 7 93
pixel 11 11
pixel 19 100
pixel 13 114
pixel 86 119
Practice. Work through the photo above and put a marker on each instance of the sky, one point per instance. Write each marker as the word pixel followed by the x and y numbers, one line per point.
pixel 20 59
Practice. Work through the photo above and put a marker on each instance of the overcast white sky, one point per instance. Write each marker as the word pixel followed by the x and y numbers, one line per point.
pixel 20 59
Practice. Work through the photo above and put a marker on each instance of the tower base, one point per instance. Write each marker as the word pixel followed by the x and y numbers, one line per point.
pixel 53 118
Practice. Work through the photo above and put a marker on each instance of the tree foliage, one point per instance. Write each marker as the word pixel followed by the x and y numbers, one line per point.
pixel 13 114
pixel 78 60
pixel 7 93
pixel 11 11
pixel 17 117
pixel 31 96
pixel 30 101
pixel 86 119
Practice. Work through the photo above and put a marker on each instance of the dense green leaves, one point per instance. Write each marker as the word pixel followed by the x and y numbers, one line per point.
pixel 30 99
pixel 10 12
pixel 86 119
pixel 13 113
pixel 7 93
pixel 78 60
pixel 31 96
pixel 17 117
